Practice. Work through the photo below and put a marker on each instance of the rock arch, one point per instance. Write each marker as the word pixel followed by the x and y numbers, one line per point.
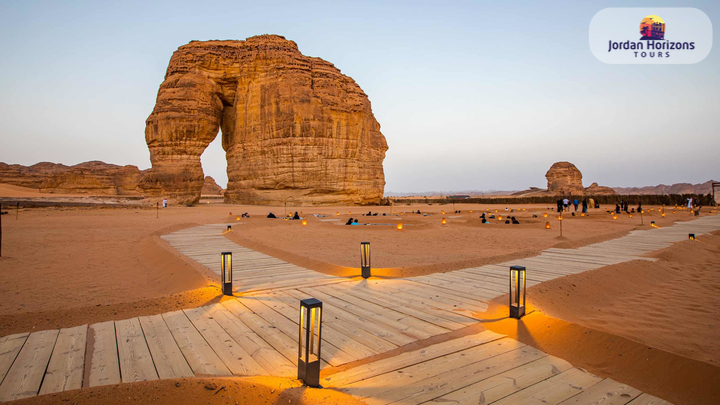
pixel 292 126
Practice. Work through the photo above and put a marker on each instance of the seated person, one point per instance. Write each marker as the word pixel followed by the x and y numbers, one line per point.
pixel 383 214
pixel 375 214
pixel 507 221
pixel 482 216
pixel 515 221
pixel 271 215
pixel 418 211
pixel 492 216
pixel 296 216
pixel 349 222
pixel 535 216
pixel 369 214
pixel 355 222
pixel 484 221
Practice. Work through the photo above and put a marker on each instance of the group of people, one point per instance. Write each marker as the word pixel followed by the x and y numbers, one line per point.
pixel 352 222
pixel 271 215
pixel 509 220
pixel 565 203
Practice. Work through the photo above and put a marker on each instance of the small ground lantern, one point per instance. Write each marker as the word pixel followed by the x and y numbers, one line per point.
pixel 629 215
pixel 237 218
pixel 547 225
pixel 304 222
pixel 691 236
pixel 309 340
pixel 652 223
pixel 545 215
pixel 229 228
pixel 226 272
pixel 499 217
pixel 614 216
pixel 365 259
pixel 337 214
pixel 662 215
pixel 444 221
pixel 399 226
pixel 517 291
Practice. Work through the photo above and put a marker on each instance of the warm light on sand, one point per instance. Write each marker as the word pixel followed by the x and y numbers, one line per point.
pixel 237 218
pixel 629 215
pixel 547 225
pixel 304 222
pixel 399 226
pixel 444 221
pixel 499 217
pixel 545 215
pixel 337 213
pixel 614 216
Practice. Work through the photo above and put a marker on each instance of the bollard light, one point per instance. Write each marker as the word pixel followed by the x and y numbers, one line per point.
pixel 399 226
pixel 230 214
pixel 652 223
pixel 614 216
pixel 443 212
pixel 499 217
pixel 365 259
pixel 517 291
pixel 304 222
pixel 337 214
pixel 691 236
pixel 673 211
pixel 547 225
pixel 444 221
pixel 226 272
pixel 545 215
pixel 237 218
pixel 662 215
pixel 309 340
pixel 229 228
pixel 629 215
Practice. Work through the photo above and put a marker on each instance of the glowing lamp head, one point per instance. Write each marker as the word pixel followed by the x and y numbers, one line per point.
pixel 226 272
pixel 652 223
pixel 365 259
pixel 673 211
pixel 629 215
pixel 662 215
pixel 442 211
pixel 304 222
pixel 399 226
pixel 583 214
pixel 614 216
pixel 499 217
pixel 691 236
pixel 517 291
pixel 309 342
pixel 237 218
pixel 444 221
pixel 560 218
pixel 337 213
pixel 547 225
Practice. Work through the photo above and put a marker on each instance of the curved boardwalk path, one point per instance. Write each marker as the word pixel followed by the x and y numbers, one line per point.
pixel 256 334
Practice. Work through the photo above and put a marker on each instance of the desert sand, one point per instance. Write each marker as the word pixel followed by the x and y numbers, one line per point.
pixel 69 266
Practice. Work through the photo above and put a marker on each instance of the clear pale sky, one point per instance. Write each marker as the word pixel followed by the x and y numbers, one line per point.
pixel 470 95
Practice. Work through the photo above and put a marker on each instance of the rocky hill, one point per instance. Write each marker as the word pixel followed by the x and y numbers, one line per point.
pixel 677 188
pixel 294 127
pixel 85 178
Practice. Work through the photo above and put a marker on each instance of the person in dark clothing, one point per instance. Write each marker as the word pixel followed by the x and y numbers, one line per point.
pixel 639 207
pixel 576 203
pixel 375 214
pixel 482 216
pixel 349 222
pixel 296 216
pixel 559 205
pixel 597 204
pixel 507 221
pixel 484 221
pixel 271 215
pixel 617 208
pixel 584 205
pixel 515 221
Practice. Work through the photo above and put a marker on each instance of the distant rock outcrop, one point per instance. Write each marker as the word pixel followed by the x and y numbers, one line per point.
pixel 294 128
pixel 677 188
pixel 564 178
pixel 210 187
pixel 85 178
pixel 594 189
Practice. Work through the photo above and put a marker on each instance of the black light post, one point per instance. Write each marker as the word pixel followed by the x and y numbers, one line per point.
pixel 517 291
pixel 226 273
pixel 309 340
pixel 17 211
pixel 642 221
pixel 691 236
pixel 157 210
pixel 365 259
pixel 560 219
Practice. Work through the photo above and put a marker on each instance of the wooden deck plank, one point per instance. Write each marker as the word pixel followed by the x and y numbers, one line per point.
pixel 25 375
pixel 102 355
pixel 329 352
pixel 236 359
pixel 200 356
pixel 606 392
pixel 167 357
pixel 135 360
pixel 379 389
pixel 65 369
pixel 458 376
pixel 491 389
pixel 553 390
pixel 647 399
pixel 259 349
pixel 9 349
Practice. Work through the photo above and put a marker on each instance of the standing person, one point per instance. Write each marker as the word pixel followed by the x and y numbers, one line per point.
pixel 566 203
pixel 164 202
pixel 576 203
pixel 584 205
pixel 690 205
pixel 559 205
pixel 617 208
pixel 639 207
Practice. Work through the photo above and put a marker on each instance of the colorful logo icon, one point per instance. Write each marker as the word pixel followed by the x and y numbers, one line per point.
pixel 652 28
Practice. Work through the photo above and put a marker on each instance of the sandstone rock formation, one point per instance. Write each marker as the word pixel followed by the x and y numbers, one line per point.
pixel 594 189
pixel 85 178
pixel 677 188
pixel 210 187
pixel 564 178
pixel 294 128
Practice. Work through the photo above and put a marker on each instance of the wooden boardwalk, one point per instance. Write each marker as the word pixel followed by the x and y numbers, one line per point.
pixel 256 334
pixel 252 270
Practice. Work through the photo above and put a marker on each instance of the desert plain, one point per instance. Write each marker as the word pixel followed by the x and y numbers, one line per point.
pixel 652 325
